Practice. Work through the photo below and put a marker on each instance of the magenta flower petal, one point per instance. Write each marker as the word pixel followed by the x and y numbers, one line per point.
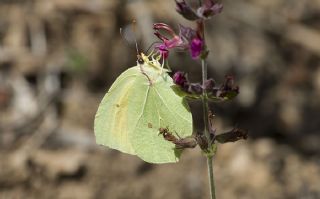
pixel 174 42
pixel 167 43
pixel 187 39
pixel 163 50
pixel 187 33
pixel 196 47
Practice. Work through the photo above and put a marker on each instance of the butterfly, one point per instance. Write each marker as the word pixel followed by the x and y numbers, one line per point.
pixel 139 98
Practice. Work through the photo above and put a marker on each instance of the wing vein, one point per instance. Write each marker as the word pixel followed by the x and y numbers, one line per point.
pixel 160 126
pixel 166 105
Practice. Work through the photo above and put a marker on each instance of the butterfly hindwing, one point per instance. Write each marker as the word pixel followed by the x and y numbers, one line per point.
pixel 138 103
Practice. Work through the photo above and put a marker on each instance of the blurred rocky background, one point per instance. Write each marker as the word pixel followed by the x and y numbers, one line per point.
pixel 59 57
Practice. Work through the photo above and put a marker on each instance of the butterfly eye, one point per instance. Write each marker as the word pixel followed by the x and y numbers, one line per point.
pixel 140 60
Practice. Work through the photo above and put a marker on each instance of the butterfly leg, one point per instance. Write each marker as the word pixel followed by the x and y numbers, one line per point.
pixel 145 74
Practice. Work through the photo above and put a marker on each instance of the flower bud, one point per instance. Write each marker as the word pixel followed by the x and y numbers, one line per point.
pixel 209 84
pixel 185 10
pixel 195 88
pixel 232 136
pixel 209 9
pixel 180 79
pixel 228 89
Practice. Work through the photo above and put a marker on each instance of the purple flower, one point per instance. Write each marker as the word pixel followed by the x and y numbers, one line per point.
pixel 163 50
pixel 196 47
pixel 209 9
pixel 187 33
pixel 187 39
pixel 193 41
pixel 174 41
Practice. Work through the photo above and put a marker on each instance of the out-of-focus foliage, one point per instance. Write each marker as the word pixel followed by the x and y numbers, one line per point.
pixel 47 108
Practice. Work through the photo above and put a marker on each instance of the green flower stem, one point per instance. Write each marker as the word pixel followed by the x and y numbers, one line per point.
pixel 205 100
pixel 211 177
pixel 206 123
pixel 206 131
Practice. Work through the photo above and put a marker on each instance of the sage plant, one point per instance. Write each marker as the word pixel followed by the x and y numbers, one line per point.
pixel 194 41
pixel 146 112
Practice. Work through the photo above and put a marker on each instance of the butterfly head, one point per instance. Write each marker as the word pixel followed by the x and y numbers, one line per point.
pixel 151 60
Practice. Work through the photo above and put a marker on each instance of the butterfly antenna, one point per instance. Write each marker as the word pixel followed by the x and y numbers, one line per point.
pixel 133 34
pixel 134 23
pixel 123 37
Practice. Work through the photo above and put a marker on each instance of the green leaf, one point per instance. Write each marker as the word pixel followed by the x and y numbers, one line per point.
pixel 213 98
pixel 177 89
pixel 228 95
pixel 131 113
